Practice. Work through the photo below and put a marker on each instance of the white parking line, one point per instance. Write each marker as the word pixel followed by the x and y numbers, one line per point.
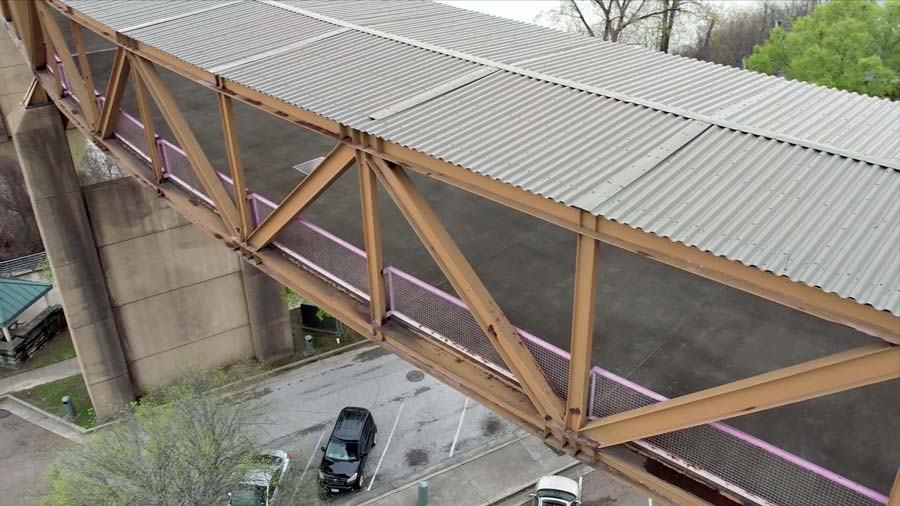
pixel 459 426
pixel 312 454
pixel 386 445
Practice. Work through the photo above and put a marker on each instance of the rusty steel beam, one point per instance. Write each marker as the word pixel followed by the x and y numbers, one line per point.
pixel 26 20
pixel 468 285
pixel 115 89
pixel 235 164
pixel 368 196
pixel 83 62
pixel 86 97
pixel 326 173
pixel 188 142
pixel 835 373
pixel 582 339
pixel 140 91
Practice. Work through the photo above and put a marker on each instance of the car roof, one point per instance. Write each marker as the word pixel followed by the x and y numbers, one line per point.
pixel 350 423
pixel 258 477
pixel 558 483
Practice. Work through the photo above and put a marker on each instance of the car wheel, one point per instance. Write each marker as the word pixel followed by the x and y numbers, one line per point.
pixel 362 478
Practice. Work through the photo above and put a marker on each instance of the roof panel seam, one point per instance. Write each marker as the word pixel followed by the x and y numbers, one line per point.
pixel 179 16
pixel 731 125
pixel 432 93
pixel 277 51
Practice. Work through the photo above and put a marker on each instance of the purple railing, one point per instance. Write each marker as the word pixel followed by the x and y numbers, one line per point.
pixel 721 455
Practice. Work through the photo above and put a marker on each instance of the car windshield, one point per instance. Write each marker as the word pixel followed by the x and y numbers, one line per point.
pixel 248 495
pixel 340 450
pixel 549 493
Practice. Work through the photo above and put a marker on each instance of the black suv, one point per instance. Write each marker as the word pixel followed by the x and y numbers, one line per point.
pixel 347 450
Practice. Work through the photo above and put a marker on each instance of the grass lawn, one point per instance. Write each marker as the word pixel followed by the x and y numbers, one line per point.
pixel 57 349
pixel 49 398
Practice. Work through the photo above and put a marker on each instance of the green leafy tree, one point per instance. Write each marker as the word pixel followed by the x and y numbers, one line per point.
pixel 848 44
pixel 187 444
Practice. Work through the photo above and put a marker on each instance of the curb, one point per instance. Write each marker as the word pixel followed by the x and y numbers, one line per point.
pixel 255 379
pixel 55 419
pixel 437 470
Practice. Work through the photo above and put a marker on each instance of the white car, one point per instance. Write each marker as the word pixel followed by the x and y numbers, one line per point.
pixel 261 484
pixel 557 491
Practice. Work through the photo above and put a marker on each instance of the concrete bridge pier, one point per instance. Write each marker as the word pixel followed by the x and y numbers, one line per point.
pixel 270 322
pixel 65 227
pixel 147 295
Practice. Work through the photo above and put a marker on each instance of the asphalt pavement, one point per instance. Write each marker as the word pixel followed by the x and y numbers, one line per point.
pixel 426 431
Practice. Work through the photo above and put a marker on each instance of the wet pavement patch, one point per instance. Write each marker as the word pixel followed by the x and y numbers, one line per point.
pixel 415 375
pixel 370 355
pixel 416 457
pixel 491 425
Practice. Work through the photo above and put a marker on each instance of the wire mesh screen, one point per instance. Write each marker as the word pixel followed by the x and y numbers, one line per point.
pixel 320 251
pixel 131 132
pixel 441 316
pixel 178 170
pixel 554 362
pixel 728 456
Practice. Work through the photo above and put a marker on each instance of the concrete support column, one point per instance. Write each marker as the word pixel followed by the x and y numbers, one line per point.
pixel 270 322
pixel 53 185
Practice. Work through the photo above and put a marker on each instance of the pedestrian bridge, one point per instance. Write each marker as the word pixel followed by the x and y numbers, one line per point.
pixel 399 90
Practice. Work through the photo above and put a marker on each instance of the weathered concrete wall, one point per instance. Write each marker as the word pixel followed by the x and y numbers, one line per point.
pixel 270 320
pixel 177 296
pixel 65 228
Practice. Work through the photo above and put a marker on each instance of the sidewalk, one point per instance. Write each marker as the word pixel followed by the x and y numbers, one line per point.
pixel 483 479
pixel 35 377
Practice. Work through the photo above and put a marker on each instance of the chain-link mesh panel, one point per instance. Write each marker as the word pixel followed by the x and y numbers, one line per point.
pixel 441 316
pixel 131 132
pixel 179 171
pixel 326 254
pixel 730 455
pixel 552 360
pixel 318 250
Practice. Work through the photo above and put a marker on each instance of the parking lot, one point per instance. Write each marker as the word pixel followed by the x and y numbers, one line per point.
pixel 422 423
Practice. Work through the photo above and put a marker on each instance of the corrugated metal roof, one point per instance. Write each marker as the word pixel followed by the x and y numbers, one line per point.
pixel 818 219
pixel 350 75
pixel 125 15
pixel 624 132
pixel 17 295
pixel 229 33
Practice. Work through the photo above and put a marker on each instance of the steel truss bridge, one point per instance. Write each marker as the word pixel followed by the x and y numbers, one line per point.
pixel 466 342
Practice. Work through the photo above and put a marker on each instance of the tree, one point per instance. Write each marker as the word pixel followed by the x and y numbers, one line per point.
pixel 727 35
pixel 847 44
pixel 616 20
pixel 19 233
pixel 186 444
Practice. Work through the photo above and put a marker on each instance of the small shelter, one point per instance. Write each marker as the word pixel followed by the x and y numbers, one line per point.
pixel 16 296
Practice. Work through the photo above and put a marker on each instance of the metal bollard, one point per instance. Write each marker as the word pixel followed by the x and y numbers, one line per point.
pixel 423 493
pixel 308 350
pixel 70 408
